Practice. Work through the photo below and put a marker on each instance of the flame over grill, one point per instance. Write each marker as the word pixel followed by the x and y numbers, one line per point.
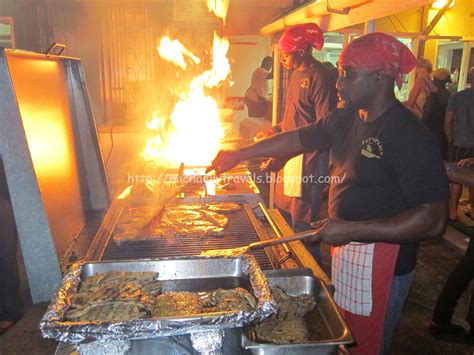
pixel 195 120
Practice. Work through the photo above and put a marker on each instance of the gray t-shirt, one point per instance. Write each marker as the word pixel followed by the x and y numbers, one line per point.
pixel 462 104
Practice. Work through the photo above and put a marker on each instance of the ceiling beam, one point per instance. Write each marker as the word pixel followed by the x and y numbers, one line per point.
pixel 452 38
pixel 436 19
pixel 313 9
pixel 332 22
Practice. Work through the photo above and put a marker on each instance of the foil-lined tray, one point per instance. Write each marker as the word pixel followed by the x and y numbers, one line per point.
pixel 194 274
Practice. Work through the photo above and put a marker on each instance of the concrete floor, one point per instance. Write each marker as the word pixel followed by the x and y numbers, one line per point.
pixel 25 338
pixel 435 262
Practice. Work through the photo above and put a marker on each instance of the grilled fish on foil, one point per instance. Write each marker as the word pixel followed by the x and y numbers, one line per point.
pixel 55 325
pixel 115 296
pixel 122 296
pixel 110 311
pixel 229 300
pixel 177 304
pixel 188 303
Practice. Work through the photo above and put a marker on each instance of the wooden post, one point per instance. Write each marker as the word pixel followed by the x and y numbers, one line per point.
pixel 369 26
pixel 415 49
pixel 464 70
pixel 275 113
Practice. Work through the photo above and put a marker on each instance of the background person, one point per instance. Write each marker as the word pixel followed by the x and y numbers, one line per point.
pixel 311 95
pixel 422 89
pixel 459 129
pixel 435 108
pixel 257 97
pixel 258 101
pixel 458 281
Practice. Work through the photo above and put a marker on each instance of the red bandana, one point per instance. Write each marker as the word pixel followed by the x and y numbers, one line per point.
pixel 379 51
pixel 301 37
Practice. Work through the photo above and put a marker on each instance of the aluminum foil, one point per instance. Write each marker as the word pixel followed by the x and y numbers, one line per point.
pixel 52 325
pixel 207 342
pixel 109 347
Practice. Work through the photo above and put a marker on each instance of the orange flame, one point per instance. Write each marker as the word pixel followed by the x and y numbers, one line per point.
pixel 195 132
pixel 220 66
pixel 174 51
pixel 219 8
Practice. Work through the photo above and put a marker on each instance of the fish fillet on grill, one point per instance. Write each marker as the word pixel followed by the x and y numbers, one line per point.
pixel 224 207
pixel 191 222
pixel 133 221
pixel 200 220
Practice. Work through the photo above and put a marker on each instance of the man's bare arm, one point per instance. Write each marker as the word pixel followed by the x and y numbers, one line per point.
pixel 413 95
pixel 425 221
pixel 466 163
pixel 282 145
pixel 448 125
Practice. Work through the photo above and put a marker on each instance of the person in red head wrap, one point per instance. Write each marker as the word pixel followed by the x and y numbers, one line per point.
pixel 379 51
pixel 388 187
pixel 376 53
pixel 301 37
pixel 310 96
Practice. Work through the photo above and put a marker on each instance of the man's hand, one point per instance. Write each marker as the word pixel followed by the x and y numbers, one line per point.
pixel 264 134
pixel 334 231
pixel 273 164
pixel 466 163
pixel 224 161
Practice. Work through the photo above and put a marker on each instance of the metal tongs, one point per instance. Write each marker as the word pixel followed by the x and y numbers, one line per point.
pixel 261 244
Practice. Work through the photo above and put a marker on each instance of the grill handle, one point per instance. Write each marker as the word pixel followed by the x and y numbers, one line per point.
pixel 58 47
pixel 269 219
pixel 317 270
pixel 276 230
pixel 276 241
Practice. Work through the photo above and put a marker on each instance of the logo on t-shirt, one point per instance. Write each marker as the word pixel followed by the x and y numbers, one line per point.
pixel 304 83
pixel 372 148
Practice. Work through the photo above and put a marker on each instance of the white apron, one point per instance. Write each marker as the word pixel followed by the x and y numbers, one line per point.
pixel 292 177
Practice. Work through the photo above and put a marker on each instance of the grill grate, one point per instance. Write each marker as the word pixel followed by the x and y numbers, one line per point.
pixel 239 232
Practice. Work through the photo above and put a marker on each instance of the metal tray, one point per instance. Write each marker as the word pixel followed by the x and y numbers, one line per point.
pixel 176 274
pixel 327 327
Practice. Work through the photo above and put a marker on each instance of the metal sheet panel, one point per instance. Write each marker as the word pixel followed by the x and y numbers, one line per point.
pixel 52 159
pixel 42 95
pixel 37 246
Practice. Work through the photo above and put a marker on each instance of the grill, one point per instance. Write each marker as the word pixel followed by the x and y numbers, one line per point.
pixel 239 232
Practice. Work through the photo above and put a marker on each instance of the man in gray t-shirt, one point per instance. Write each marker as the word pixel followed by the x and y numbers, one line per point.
pixel 459 128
